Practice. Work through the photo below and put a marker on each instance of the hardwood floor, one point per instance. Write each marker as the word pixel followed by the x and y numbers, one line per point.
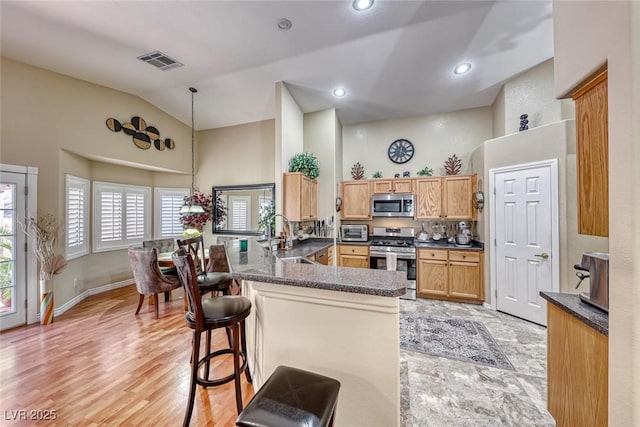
pixel 99 365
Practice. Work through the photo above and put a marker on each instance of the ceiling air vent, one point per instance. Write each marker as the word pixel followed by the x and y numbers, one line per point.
pixel 160 60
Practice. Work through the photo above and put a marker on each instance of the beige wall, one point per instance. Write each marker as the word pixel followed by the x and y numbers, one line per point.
pixel 222 150
pixel 435 138
pixel 319 139
pixel 289 138
pixel 586 36
pixel 499 113
pixel 57 124
pixel 532 93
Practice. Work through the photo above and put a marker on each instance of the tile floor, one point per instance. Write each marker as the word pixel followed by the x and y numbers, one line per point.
pixel 440 392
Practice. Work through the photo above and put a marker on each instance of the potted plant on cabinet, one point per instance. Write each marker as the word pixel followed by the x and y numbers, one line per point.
pixel 306 163
pixel 44 231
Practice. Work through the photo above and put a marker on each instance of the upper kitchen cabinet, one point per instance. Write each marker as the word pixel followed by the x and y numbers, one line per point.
pixel 385 186
pixel 592 156
pixel 300 197
pixel 356 200
pixel 445 198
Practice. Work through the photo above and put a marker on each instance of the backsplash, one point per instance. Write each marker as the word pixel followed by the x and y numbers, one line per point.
pixel 408 222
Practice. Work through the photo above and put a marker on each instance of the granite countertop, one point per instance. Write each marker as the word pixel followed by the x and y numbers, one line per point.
pixel 258 265
pixel 588 314
pixel 475 246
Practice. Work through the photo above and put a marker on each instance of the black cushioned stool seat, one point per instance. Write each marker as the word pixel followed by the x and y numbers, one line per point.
pixel 292 398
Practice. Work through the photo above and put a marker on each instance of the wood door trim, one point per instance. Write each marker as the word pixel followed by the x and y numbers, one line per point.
pixel 589 83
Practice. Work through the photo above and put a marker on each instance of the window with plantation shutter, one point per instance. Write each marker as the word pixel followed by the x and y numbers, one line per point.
pixel 77 215
pixel 166 213
pixel 239 209
pixel 121 216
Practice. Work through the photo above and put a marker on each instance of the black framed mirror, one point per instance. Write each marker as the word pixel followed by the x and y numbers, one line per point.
pixel 241 207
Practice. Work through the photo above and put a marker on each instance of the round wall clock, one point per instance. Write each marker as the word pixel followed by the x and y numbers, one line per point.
pixel 400 151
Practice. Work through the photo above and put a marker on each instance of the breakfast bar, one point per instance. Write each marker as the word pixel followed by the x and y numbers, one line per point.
pixel 336 321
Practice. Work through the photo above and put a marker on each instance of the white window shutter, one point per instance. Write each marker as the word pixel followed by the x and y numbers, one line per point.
pixel 121 216
pixel 77 215
pixel 167 204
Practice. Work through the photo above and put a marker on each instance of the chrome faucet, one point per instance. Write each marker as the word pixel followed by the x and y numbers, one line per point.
pixel 288 242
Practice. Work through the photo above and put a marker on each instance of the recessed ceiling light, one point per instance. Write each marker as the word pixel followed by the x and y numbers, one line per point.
pixel 339 92
pixel 284 24
pixel 462 68
pixel 361 5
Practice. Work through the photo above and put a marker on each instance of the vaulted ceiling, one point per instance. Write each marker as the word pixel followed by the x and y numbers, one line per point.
pixel 394 60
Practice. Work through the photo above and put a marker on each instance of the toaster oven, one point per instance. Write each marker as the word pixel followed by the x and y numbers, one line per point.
pixel 355 232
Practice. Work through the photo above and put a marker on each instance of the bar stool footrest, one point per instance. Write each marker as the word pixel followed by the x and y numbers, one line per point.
pixel 205 382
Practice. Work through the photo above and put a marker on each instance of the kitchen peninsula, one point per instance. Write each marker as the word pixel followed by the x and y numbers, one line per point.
pixel 337 321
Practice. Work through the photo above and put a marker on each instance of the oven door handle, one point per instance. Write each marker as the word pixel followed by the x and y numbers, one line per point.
pixel 403 256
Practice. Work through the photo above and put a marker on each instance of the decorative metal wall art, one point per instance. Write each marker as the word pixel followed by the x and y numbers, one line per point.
pixel 143 136
pixel 453 165
pixel 357 171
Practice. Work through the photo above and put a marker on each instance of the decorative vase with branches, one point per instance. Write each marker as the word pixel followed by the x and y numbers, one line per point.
pixel 44 232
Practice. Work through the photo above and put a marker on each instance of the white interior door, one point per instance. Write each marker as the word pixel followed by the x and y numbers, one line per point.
pixel 13 277
pixel 525 231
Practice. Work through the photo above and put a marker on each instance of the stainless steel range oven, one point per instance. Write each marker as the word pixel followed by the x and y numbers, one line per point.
pixel 399 242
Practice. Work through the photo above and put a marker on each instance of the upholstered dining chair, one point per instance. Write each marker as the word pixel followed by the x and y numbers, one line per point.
pixel 208 281
pixel 163 245
pixel 148 277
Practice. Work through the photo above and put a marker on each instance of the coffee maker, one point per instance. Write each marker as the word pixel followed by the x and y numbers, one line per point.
pixel 597 264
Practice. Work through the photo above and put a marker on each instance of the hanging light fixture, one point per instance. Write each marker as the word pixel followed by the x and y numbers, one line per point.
pixel 190 207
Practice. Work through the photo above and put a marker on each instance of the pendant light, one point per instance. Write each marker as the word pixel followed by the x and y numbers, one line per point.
pixel 191 208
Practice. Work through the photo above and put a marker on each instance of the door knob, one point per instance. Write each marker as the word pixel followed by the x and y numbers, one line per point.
pixel 543 255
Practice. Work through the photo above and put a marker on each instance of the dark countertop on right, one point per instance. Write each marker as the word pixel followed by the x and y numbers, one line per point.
pixel 588 314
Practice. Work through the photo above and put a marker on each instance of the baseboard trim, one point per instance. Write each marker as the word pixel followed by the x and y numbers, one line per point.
pixel 93 291
pixel 487 305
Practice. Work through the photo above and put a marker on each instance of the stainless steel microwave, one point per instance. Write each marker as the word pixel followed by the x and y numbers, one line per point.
pixel 392 205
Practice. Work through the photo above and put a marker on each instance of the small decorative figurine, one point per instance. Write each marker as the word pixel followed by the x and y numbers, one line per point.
pixel 406 174
pixel 357 171
pixel 524 122
pixel 453 165
pixel 396 175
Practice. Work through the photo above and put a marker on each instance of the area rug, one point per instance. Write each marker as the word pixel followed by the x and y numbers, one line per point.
pixel 451 337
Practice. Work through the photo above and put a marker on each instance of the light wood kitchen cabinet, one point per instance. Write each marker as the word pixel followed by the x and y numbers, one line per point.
pixel 432 273
pixel 353 256
pixel 385 186
pixel 445 197
pixel 450 274
pixel 592 156
pixel 356 200
pixel 577 371
pixel 300 197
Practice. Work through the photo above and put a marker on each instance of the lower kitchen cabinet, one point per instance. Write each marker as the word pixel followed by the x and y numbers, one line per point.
pixel 577 371
pixel 450 274
pixel 353 256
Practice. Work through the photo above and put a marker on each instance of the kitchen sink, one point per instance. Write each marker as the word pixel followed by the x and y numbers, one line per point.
pixel 297 260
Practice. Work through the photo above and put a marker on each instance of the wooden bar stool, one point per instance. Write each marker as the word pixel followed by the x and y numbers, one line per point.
pixel 292 398
pixel 206 315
